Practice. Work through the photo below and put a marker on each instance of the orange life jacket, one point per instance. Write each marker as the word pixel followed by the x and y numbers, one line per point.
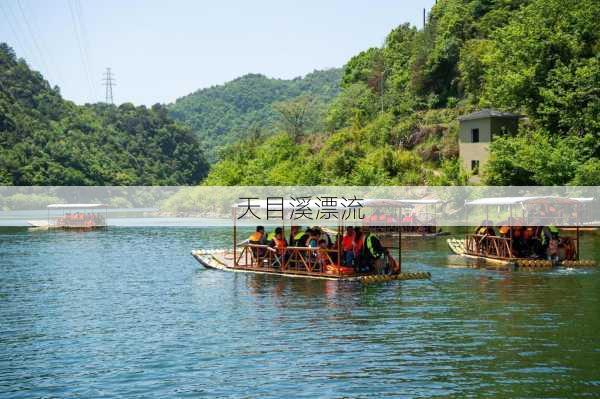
pixel 256 236
pixel 280 244
pixel 348 242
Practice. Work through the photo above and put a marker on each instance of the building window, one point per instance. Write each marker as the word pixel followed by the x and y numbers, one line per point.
pixel 475 167
pixel 474 135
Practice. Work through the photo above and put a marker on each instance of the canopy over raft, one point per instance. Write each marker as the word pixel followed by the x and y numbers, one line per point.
pixel 77 215
pixel 77 206
pixel 301 261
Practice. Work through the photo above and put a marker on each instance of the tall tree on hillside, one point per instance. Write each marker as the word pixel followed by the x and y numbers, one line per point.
pixel 296 115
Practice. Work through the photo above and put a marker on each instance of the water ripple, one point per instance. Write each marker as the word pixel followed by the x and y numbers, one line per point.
pixel 128 313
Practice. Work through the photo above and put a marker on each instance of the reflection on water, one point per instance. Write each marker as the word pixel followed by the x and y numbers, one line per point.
pixel 128 312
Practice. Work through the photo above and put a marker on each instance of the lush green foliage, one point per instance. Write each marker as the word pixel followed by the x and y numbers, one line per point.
pixel 357 155
pixel 45 140
pixel 546 62
pixel 538 158
pixel 390 117
pixel 394 121
pixel 249 105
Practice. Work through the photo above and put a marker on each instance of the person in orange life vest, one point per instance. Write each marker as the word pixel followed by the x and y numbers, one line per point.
pixel 258 237
pixel 279 241
pixel 348 246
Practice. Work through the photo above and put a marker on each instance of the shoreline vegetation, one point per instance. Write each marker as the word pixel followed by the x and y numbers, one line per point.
pixel 388 118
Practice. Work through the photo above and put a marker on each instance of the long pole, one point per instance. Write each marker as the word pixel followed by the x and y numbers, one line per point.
pixel 234 239
pixel 578 220
pixel 510 230
pixel 339 248
pixel 400 248
pixel 466 223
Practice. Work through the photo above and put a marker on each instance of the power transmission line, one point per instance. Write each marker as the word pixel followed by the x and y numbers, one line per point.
pixel 27 52
pixel 86 70
pixel 12 27
pixel 84 37
pixel 37 45
pixel 109 82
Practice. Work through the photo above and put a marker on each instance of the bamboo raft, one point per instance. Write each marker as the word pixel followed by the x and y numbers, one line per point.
pixel 222 259
pixel 457 246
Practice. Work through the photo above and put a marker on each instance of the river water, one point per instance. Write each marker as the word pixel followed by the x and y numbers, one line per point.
pixel 127 312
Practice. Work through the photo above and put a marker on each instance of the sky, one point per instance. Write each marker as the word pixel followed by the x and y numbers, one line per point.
pixel 162 50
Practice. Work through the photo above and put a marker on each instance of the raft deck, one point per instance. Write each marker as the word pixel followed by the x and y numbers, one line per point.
pixel 457 246
pixel 222 259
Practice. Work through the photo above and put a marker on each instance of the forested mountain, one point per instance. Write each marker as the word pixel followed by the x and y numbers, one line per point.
pixel 389 117
pixel 46 140
pixel 395 120
pixel 254 105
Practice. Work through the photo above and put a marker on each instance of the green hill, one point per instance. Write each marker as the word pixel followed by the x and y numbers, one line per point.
pixel 248 105
pixel 395 119
pixel 46 140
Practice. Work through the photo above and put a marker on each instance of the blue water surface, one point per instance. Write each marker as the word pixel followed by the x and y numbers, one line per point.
pixel 127 312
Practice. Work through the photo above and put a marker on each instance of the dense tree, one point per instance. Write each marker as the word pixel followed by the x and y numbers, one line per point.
pixel 296 116
pixel 539 158
pixel 45 140
pixel 394 121
pixel 222 114
pixel 390 117
pixel 546 62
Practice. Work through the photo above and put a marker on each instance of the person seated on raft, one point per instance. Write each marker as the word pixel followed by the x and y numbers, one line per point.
pixel 485 229
pixel 279 242
pixel 315 234
pixel 368 252
pixel 519 245
pixel 550 239
pixel 530 243
pixel 324 257
pixel 298 237
pixel 504 230
pixel 373 253
pixel 312 241
pixel 258 236
pixel 348 246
